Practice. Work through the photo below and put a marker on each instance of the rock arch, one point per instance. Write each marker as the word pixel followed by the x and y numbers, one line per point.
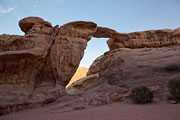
pixel 38 65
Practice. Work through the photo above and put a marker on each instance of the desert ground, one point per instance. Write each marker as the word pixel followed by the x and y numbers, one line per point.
pixel 116 111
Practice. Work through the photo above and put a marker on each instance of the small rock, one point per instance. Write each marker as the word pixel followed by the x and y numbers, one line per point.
pixel 173 102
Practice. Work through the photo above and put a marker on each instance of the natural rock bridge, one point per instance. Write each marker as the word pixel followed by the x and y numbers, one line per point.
pixel 38 65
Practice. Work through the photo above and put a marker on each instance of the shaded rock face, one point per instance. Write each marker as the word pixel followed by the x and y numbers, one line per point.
pixel 129 68
pixel 68 49
pixel 39 65
pixel 121 69
pixel 149 58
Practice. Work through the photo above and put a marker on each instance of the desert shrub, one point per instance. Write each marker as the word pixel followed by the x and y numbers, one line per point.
pixel 141 95
pixel 174 89
pixel 171 68
pixel 170 97
pixel 1 113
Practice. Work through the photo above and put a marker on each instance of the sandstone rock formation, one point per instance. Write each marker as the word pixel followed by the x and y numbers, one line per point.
pixel 27 23
pixel 147 63
pixel 149 39
pixel 129 68
pixel 81 84
pixel 122 69
pixel 38 65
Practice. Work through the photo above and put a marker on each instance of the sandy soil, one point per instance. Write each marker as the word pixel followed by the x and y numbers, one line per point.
pixel 116 111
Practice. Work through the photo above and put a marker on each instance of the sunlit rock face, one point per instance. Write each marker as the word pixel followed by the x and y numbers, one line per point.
pixel 80 73
pixel 38 65
pixel 145 39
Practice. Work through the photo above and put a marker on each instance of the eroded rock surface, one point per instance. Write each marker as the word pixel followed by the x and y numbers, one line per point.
pixel 81 84
pixel 37 66
pixel 145 39
pixel 123 69
pixel 129 68
pixel 126 66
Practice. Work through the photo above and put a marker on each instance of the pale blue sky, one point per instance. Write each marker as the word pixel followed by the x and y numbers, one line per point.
pixel 121 15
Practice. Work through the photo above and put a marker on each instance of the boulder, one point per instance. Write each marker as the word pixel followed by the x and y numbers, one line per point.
pixel 27 23
pixel 81 84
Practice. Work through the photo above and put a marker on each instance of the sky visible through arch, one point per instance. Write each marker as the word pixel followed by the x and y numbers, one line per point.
pixel 122 15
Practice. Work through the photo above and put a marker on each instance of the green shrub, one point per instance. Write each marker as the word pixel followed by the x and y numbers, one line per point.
pixel 174 89
pixel 141 95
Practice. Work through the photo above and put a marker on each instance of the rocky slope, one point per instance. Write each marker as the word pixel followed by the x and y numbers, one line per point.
pixel 129 68
pixel 112 76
